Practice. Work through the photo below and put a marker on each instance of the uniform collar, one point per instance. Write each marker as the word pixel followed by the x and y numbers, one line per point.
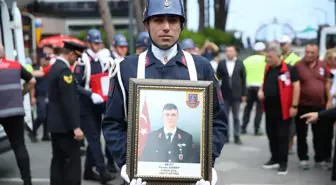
pixel 172 132
pixel 178 57
pixel 161 54
pixel 64 60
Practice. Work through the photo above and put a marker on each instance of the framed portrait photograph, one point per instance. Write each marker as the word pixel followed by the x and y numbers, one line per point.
pixel 169 137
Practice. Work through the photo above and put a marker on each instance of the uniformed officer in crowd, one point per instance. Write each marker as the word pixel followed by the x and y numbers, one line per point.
pixel 255 67
pixel 165 144
pixel 143 42
pixel 165 60
pixel 12 111
pixel 64 120
pixel 41 92
pixel 91 109
pixel 189 45
pixel 119 47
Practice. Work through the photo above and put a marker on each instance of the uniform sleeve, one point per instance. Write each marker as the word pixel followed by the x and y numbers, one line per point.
pixel 114 124
pixel 25 75
pixel 294 74
pixel 328 114
pixel 69 98
pixel 79 74
pixel 220 119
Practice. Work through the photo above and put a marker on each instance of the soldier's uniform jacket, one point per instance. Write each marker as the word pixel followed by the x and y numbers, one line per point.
pixel 158 149
pixel 86 103
pixel 63 109
pixel 114 125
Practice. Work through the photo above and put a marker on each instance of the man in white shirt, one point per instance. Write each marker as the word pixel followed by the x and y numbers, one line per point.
pixel 232 73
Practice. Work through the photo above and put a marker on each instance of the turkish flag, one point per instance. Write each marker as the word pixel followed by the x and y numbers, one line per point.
pixel 144 128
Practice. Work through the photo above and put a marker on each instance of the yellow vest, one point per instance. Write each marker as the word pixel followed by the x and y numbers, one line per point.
pixel 29 68
pixel 255 68
pixel 291 59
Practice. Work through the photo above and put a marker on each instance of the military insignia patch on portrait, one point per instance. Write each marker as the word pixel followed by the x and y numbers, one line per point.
pixel 68 79
pixel 193 99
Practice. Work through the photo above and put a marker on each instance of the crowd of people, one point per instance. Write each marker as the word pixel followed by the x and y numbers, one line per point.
pixel 72 103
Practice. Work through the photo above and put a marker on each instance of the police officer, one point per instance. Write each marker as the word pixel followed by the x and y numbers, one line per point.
pixel 63 120
pixel 11 109
pixel 143 42
pixel 165 60
pixel 41 91
pixel 92 107
pixel 119 47
pixel 161 145
pixel 189 46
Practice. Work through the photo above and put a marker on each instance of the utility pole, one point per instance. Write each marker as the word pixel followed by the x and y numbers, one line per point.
pixel 106 16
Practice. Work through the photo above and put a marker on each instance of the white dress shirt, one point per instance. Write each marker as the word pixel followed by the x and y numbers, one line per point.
pixel 161 54
pixel 230 64
pixel 166 132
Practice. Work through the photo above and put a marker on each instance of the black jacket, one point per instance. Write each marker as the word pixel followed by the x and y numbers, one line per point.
pixel 63 109
pixel 234 87
pixel 181 149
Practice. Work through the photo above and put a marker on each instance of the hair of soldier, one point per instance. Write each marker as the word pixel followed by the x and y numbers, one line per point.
pixel 170 106
pixel 275 49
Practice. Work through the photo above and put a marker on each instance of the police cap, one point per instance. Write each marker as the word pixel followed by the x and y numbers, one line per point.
pixel 164 7
pixel 75 47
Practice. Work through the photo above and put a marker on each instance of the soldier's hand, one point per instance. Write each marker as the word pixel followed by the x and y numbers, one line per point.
pixel 137 182
pixel 202 182
pixel 79 135
pixel 96 98
pixel 123 174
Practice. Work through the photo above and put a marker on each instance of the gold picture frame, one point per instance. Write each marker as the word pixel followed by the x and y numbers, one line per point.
pixel 187 157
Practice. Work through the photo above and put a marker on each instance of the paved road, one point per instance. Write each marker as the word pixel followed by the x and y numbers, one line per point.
pixel 238 165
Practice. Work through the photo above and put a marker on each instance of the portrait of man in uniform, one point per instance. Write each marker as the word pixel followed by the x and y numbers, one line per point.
pixel 170 143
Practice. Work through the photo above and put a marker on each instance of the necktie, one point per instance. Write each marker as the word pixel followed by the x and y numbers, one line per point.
pixel 165 60
pixel 169 137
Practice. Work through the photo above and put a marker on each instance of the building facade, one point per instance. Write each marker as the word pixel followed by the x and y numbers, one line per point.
pixel 70 17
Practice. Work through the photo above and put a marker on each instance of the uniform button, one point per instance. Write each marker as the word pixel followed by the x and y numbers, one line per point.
pixel 169 160
pixel 156 151
pixel 169 152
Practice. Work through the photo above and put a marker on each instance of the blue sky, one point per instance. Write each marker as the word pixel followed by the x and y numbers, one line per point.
pixel 249 15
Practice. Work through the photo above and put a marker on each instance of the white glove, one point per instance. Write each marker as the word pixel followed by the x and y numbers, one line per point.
pixel 96 98
pixel 137 182
pixel 202 182
pixel 214 177
pixel 124 175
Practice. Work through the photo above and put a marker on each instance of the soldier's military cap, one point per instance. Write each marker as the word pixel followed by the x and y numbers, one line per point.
pixel 73 46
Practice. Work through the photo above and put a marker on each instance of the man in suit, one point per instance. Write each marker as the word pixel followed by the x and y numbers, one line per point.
pixel 232 73
pixel 63 118
pixel 169 143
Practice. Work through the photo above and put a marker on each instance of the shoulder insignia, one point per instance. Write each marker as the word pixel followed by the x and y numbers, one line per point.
pixel 68 79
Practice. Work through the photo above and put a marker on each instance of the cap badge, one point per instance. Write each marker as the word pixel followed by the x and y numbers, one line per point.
pixel 166 3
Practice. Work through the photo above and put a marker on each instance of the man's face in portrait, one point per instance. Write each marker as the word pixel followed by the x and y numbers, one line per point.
pixel 170 118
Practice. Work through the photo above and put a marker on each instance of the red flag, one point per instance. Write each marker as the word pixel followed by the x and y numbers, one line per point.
pixel 144 127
